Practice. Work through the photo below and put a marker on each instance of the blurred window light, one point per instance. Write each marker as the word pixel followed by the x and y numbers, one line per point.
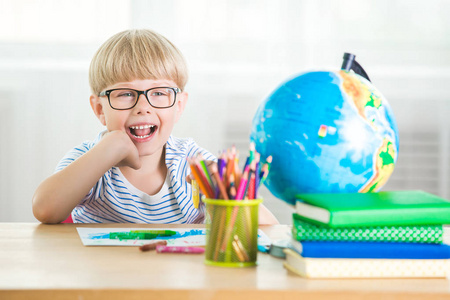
pixel 80 21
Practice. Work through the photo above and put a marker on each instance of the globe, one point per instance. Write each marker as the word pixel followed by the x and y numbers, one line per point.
pixel 328 132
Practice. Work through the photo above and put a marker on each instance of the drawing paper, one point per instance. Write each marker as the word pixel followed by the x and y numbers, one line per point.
pixel 185 237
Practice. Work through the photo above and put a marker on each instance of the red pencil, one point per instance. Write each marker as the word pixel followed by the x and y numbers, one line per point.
pixel 251 187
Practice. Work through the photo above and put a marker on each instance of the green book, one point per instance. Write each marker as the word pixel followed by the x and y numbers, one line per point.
pixel 303 231
pixel 374 209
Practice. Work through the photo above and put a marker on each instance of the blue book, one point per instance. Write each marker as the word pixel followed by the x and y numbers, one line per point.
pixel 371 250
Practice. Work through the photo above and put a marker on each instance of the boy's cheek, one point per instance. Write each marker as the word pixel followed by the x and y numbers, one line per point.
pixel 102 120
pixel 178 113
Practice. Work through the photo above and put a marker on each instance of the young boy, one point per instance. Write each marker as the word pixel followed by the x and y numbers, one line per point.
pixel 135 171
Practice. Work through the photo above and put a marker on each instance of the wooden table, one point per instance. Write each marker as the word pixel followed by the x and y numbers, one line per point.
pixel 49 262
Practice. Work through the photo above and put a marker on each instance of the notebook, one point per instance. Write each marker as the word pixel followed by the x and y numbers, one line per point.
pixel 365 268
pixel 374 209
pixel 377 250
pixel 303 230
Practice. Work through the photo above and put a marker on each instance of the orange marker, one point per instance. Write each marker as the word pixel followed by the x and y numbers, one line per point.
pixel 152 246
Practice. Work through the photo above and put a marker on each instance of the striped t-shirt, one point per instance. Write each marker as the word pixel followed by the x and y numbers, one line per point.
pixel 114 199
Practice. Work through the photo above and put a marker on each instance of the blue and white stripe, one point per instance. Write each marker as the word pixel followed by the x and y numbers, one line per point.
pixel 114 199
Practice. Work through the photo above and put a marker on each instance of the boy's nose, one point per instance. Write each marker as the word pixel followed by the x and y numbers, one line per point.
pixel 142 105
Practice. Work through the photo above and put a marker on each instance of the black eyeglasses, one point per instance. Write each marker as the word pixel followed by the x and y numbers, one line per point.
pixel 158 97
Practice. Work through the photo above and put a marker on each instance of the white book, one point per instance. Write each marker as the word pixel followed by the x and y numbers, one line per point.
pixel 365 268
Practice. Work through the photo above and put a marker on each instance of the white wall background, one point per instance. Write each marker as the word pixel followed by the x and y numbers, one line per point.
pixel 238 51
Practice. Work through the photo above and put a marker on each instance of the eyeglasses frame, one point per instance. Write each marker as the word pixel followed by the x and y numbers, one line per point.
pixel 139 93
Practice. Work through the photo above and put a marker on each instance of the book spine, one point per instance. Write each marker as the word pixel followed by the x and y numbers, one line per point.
pixel 374 250
pixel 393 208
pixel 367 268
pixel 305 231
pixel 383 217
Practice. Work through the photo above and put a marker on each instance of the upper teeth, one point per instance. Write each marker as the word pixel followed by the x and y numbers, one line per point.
pixel 142 126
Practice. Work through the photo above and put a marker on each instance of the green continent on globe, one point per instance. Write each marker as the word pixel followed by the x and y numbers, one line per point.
pixel 384 166
pixel 361 95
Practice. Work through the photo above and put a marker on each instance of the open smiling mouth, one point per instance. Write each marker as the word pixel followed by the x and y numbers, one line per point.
pixel 142 131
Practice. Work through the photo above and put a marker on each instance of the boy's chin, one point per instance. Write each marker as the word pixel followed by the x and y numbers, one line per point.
pixel 146 152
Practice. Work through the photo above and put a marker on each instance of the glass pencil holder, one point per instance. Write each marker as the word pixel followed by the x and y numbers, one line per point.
pixel 231 232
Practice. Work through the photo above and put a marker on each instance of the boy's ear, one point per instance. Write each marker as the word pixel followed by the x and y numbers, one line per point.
pixel 182 99
pixel 97 107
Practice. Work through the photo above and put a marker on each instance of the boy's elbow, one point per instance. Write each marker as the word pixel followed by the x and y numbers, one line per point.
pixel 268 220
pixel 43 213
pixel 266 217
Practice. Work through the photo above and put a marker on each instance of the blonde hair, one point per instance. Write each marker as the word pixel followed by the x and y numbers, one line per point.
pixel 136 54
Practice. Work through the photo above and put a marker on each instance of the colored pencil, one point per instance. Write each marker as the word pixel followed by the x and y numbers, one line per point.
pixel 210 190
pixel 232 188
pixel 242 185
pixel 257 178
pixel 265 169
pixel 221 165
pixel 219 182
pixel 251 186
pixel 230 166
pixel 237 171
pixel 251 154
pixel 197 177
pixel 205 170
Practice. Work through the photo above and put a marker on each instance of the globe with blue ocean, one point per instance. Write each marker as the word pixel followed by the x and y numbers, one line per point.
pixel 328 132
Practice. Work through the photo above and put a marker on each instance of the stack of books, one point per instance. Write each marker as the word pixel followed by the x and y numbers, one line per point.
pixel 370 235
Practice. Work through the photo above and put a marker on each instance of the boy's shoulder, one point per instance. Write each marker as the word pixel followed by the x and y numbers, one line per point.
pixel 180 145
pixel 92 143
pixel 88 144
pixel 78 151
pixel 185 147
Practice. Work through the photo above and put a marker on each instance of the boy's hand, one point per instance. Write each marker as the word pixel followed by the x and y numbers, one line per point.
pixel 127 151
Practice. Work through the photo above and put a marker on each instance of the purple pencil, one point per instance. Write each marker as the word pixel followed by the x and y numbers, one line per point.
pixel 221 165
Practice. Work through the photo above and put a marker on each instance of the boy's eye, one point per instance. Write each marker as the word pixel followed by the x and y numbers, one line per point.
pixel 159 93
pixel 126 94
pixel 123 94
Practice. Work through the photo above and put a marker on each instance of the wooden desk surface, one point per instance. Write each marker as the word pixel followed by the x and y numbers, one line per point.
pixel 49 262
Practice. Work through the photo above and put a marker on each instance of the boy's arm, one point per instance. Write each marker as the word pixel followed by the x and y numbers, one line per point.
pixel 57 196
